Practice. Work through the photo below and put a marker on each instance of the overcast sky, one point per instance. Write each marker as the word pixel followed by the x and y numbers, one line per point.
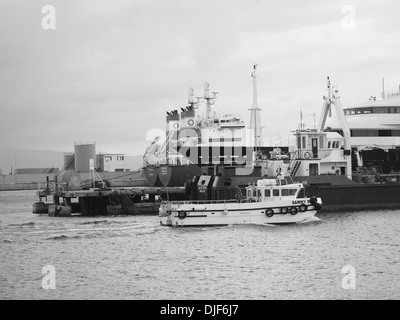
pixel 110 70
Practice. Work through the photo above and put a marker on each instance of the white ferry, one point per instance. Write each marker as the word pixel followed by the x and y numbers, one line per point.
pixel 271 201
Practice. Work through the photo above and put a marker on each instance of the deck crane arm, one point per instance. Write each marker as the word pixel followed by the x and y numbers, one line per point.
pixel 334 98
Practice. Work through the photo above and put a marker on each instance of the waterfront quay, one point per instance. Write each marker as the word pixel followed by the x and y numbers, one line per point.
pixel 104 201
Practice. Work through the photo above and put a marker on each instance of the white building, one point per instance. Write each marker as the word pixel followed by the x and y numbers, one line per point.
pixel 110 162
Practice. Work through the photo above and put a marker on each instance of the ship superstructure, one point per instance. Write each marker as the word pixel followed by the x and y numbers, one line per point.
pixel 375 133
pixel 198 139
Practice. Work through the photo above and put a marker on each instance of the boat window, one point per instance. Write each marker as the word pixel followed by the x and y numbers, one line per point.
pixel 267 193
pixel 336 144
pixel 292 192
pixel 321 142
pixel 249 193
pixel 285 192
pixel 259 193
pixel 368 110
pixel 301 194
pixel 254 193
pixel 329 144
pixel 304 142
pixel 275 192
pixel 381 110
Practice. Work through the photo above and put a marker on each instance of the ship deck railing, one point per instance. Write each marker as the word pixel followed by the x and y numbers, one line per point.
pixel 202 201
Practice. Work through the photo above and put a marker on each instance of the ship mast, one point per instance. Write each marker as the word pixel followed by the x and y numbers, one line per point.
pixel 209 100
pixel 255 112
pixel 190 97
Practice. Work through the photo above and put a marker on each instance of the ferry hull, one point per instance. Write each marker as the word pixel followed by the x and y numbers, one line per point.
pixel 231 213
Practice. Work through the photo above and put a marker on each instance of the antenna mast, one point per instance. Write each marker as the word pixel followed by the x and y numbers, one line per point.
pixel 255 111
pixel 209 100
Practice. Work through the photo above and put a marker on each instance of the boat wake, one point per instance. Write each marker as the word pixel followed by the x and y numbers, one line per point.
pixel 62 237
pixel 311 219
pixel 27 224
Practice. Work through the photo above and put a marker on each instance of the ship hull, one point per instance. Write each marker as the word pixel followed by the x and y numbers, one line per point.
pixel 152 176
pixel 337 192
pixel 211 213
pixel 357 197
pixel 341 193
pixel 177 176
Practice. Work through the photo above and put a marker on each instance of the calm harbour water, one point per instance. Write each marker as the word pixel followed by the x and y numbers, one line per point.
pixel 133 257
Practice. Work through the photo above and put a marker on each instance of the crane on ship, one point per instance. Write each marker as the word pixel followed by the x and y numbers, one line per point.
pixel 333 98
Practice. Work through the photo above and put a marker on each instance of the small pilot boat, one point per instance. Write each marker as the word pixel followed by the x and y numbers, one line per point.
pixel 270 201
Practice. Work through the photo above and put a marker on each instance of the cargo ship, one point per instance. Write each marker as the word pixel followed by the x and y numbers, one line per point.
pixel 197 140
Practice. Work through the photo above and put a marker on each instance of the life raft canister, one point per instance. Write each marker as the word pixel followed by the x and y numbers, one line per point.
pixel 182 215
pixel 269 213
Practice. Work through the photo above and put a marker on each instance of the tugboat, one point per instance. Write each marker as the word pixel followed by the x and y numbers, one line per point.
pixel 270 201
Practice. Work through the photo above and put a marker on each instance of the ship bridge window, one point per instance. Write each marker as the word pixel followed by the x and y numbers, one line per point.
pixel 267 193
pixel 367 110
pixel 381 110
pixel 375 133
pixel 335 144
pixel 288 192
pixel 302 193
pixel 372 110
pixel 275 192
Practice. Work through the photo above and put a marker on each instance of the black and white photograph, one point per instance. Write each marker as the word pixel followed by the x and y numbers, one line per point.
pixel 199 155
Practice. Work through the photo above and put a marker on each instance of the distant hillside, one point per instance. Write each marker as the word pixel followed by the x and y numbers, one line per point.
pixel 29 159
pixel 45 159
